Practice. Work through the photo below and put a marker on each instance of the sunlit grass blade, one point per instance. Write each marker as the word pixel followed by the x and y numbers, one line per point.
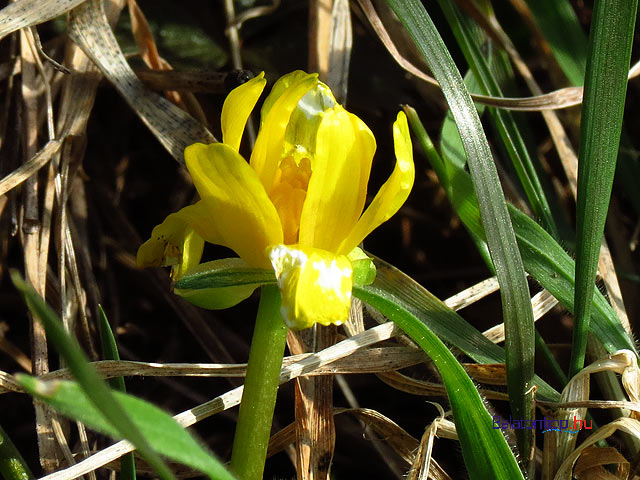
pixel 561 28
pixel 96 389
pixel 165 435
pixel 544 259
pixel 517 313
pixel 505 124
pixel 12 465
pixel 448 325
pixel 484 449
pixel 110 352
pixel 610 44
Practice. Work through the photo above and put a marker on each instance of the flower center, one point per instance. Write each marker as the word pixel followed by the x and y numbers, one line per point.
pixel 288 194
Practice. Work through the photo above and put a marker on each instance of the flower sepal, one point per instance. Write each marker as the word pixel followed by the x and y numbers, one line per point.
pixel 364 271
pixel 221 283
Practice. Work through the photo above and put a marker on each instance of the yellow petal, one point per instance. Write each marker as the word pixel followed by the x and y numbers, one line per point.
pixel 393 193
pixel 173 243
pixel 237 108
pixel 339 177
pixel 238 207
pixel 315 285
pixel 217 298
pixel 276 113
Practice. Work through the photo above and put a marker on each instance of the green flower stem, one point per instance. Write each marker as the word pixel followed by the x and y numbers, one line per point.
pixel 12 465
pixel 260 388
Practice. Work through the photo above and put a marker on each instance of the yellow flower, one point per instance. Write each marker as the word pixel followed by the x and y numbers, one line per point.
pixel 295 207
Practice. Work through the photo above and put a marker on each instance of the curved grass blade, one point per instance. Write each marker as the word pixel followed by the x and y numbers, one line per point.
pixel 12 465
pixel 110 352
pixel 505 123
pixel 543 258
pixel 484 449
pixel 516 302
pixel 96 389
pixel 165 435
pixel 602 111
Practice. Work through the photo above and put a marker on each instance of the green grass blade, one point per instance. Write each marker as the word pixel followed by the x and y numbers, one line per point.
pixel 602 111
pixel 504 121
pixel 544 259
pixel 12 465
pixel 517 314
pixel 450 327
pixel 164 434
pixel 561 28
pixel 95 388
pixel 484 449
pixel 110 352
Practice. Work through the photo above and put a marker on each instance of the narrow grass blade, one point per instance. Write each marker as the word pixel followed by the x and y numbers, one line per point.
pixel 512 140
pixel 602 111
pixel 95 388
pixel 516 303
pixel 484 449
pixel 544 259
pixel 561 28
pixel 165 435
pixel 12 465
pixel 110 352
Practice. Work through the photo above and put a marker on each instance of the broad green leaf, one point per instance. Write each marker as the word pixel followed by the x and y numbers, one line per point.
pixel 484 449
pixel 514 290
pixel 165 435
pixel 605 90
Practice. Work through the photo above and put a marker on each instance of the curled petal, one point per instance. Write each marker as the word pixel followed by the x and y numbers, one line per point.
pixel 315 285
pixel 173 243
pixel 392 194
pixel 279 105
pixel 237 108
pixel 237 206
pixel 340 173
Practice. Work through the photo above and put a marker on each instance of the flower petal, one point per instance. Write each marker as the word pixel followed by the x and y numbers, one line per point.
pixel 315 285
pixel 221 297
pixel 238 207
pixel 237 108
pixel 173 243
pixel 393 193
pixel 282 100
pixel 339 177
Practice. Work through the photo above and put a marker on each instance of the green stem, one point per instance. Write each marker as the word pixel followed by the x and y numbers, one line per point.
pixel 12 465
pixel 260 388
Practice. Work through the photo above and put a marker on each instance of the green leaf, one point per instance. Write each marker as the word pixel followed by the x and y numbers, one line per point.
pixel 543 258
pixel 12 465
pixel 95 389
pixel 165 435
pixel 516 303
pixel 110 352
pixel 561 28
pixel 484 449
pixel 605 89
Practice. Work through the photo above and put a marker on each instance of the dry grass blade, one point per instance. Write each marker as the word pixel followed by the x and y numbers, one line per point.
pixel 627 425
pixel 394 435
pixel 623 362
pixel 25 13
pixel 29 168
pixel 593 459
pixel 173 128
pixel 563 98
pixel 424 466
